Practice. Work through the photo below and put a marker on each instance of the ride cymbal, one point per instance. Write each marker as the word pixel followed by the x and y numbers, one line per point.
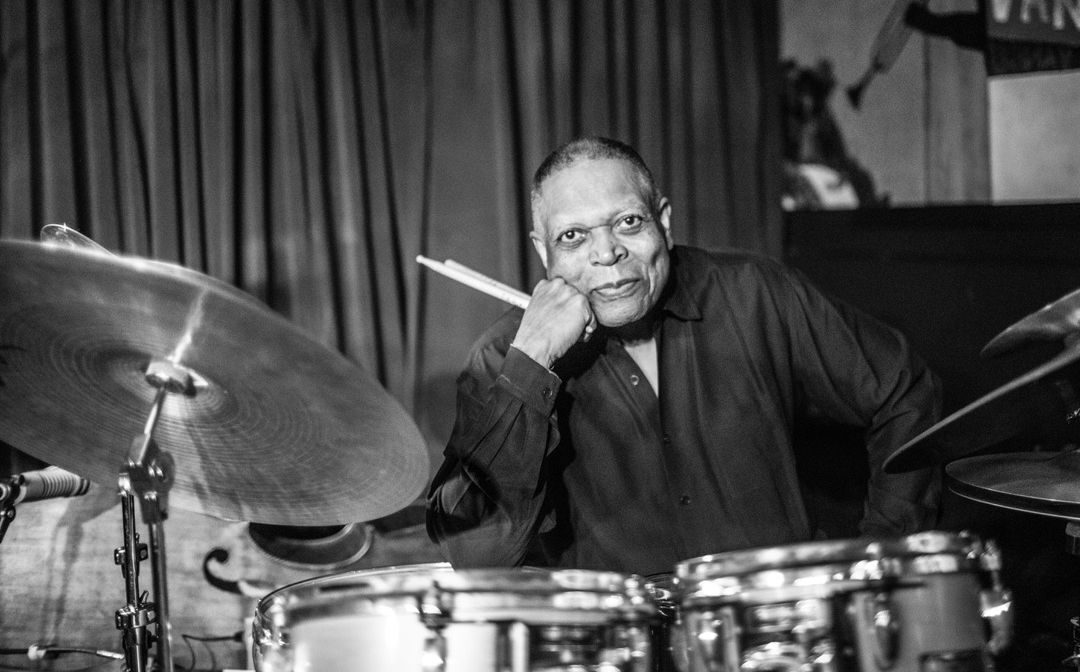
pixel 1045 483
pixel 278 429
pixel 1042 405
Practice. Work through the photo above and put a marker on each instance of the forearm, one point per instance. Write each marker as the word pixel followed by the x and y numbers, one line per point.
pixel 907 502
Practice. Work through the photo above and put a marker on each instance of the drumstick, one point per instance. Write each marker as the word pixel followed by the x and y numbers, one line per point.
pixel 477 281
pixel 450 263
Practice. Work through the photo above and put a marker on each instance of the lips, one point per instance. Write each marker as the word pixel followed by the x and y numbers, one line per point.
pixel 617 289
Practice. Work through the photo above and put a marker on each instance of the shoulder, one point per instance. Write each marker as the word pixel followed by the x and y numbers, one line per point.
pixel 731 270
pixel 733 260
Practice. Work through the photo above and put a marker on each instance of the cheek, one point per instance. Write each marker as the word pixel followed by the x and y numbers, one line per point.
pixel 653 256
pixel 565 266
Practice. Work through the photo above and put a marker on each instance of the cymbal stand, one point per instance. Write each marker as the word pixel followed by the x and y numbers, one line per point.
pixel 148 473
pixel 1072 531
pixel 7 511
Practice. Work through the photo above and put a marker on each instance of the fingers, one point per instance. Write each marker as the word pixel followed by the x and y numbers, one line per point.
pixel 590 325
pixel 558 316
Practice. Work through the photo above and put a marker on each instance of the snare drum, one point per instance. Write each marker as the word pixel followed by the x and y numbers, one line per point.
pixel 431 618
pixel 919 603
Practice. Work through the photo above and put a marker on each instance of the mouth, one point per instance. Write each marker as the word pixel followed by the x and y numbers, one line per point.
pixel 616 290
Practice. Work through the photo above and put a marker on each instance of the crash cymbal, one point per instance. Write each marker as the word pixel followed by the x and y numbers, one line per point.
pixel 62 234
pixel 1046 483
pixel 1059 320
pixel 1039 406
pixel 279 429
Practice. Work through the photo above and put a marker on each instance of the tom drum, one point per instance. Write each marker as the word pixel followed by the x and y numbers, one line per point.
pixel 922 603
pixel 431 618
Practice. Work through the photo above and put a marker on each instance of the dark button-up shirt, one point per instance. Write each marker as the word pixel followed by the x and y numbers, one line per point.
pixel 589 462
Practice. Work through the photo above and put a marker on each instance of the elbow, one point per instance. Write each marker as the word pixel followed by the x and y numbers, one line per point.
pixel 489 542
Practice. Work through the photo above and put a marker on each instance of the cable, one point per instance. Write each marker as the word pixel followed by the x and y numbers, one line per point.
pixel 37 652
pixel 237 636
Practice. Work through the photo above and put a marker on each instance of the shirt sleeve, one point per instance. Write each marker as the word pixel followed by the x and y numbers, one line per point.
pixel 486 501
pixel 860 371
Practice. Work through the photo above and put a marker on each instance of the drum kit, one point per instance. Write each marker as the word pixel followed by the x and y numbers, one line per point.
pixel 183 390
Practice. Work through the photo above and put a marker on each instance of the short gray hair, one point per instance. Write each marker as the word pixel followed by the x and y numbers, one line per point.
pixel 594 148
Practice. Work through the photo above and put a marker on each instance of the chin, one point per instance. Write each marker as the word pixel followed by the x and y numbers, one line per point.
pixel 619 316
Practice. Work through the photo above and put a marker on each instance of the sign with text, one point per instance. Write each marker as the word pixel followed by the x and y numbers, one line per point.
pixel 1043 21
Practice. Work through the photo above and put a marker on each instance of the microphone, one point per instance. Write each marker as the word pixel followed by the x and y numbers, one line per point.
pixel 33 486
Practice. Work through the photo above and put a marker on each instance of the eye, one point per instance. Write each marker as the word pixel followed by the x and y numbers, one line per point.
pixel 571 238
pixel 630 223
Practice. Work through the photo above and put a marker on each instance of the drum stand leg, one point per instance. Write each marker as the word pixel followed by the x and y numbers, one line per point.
pixel 148 473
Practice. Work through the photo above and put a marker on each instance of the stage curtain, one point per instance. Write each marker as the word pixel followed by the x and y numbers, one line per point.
pixel 307 151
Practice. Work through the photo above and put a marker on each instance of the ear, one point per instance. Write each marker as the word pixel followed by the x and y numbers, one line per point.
pixel 539 246
pixel 665 221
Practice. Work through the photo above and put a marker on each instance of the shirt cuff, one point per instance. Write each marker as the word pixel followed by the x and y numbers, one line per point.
pixel 529 381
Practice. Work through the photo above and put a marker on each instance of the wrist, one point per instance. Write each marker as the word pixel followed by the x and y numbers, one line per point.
pixel 535 351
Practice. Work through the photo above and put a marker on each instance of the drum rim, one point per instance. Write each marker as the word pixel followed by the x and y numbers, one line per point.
pixel 336 577
pixel 905 550
pixel 439 587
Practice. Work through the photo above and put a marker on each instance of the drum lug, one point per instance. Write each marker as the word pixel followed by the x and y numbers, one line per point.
pixel 433 616
pixel 774 657
pixel 996 602
pixel 433 658
pixel 886 630
pixel 519 639
pixel 996 606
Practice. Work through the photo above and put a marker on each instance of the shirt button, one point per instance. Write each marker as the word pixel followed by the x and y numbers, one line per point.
pixel 666 439
pixel 684 500
pixel 634 380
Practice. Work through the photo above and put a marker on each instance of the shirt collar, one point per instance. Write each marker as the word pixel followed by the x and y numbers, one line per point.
pixel 682 287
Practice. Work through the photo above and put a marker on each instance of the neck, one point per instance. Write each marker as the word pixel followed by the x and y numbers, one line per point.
pixel 639 330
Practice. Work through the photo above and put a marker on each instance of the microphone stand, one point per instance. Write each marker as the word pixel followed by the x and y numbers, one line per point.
pixel 148 473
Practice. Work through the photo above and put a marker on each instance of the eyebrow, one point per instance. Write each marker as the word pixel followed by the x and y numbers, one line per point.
pixel 641 209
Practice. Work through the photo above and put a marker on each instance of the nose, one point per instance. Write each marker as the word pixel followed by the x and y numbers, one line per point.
pixel 606 248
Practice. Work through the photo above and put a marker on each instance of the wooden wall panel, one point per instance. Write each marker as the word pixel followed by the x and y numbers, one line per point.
pixel 62 588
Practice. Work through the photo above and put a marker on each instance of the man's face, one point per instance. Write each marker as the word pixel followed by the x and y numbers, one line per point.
pixel 595 229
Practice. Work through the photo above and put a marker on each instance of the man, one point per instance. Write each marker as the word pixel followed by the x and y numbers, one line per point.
pixel 640 411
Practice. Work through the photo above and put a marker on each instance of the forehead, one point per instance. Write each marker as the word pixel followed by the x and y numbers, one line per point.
pixel 590 189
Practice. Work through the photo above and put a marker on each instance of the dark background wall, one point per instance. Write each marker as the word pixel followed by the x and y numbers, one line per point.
pixel 951 278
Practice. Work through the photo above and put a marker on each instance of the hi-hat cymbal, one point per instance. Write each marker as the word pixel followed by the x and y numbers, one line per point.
pixel 280 430
pixel 1046 483
pixel 1054 321
pixel 1041 405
